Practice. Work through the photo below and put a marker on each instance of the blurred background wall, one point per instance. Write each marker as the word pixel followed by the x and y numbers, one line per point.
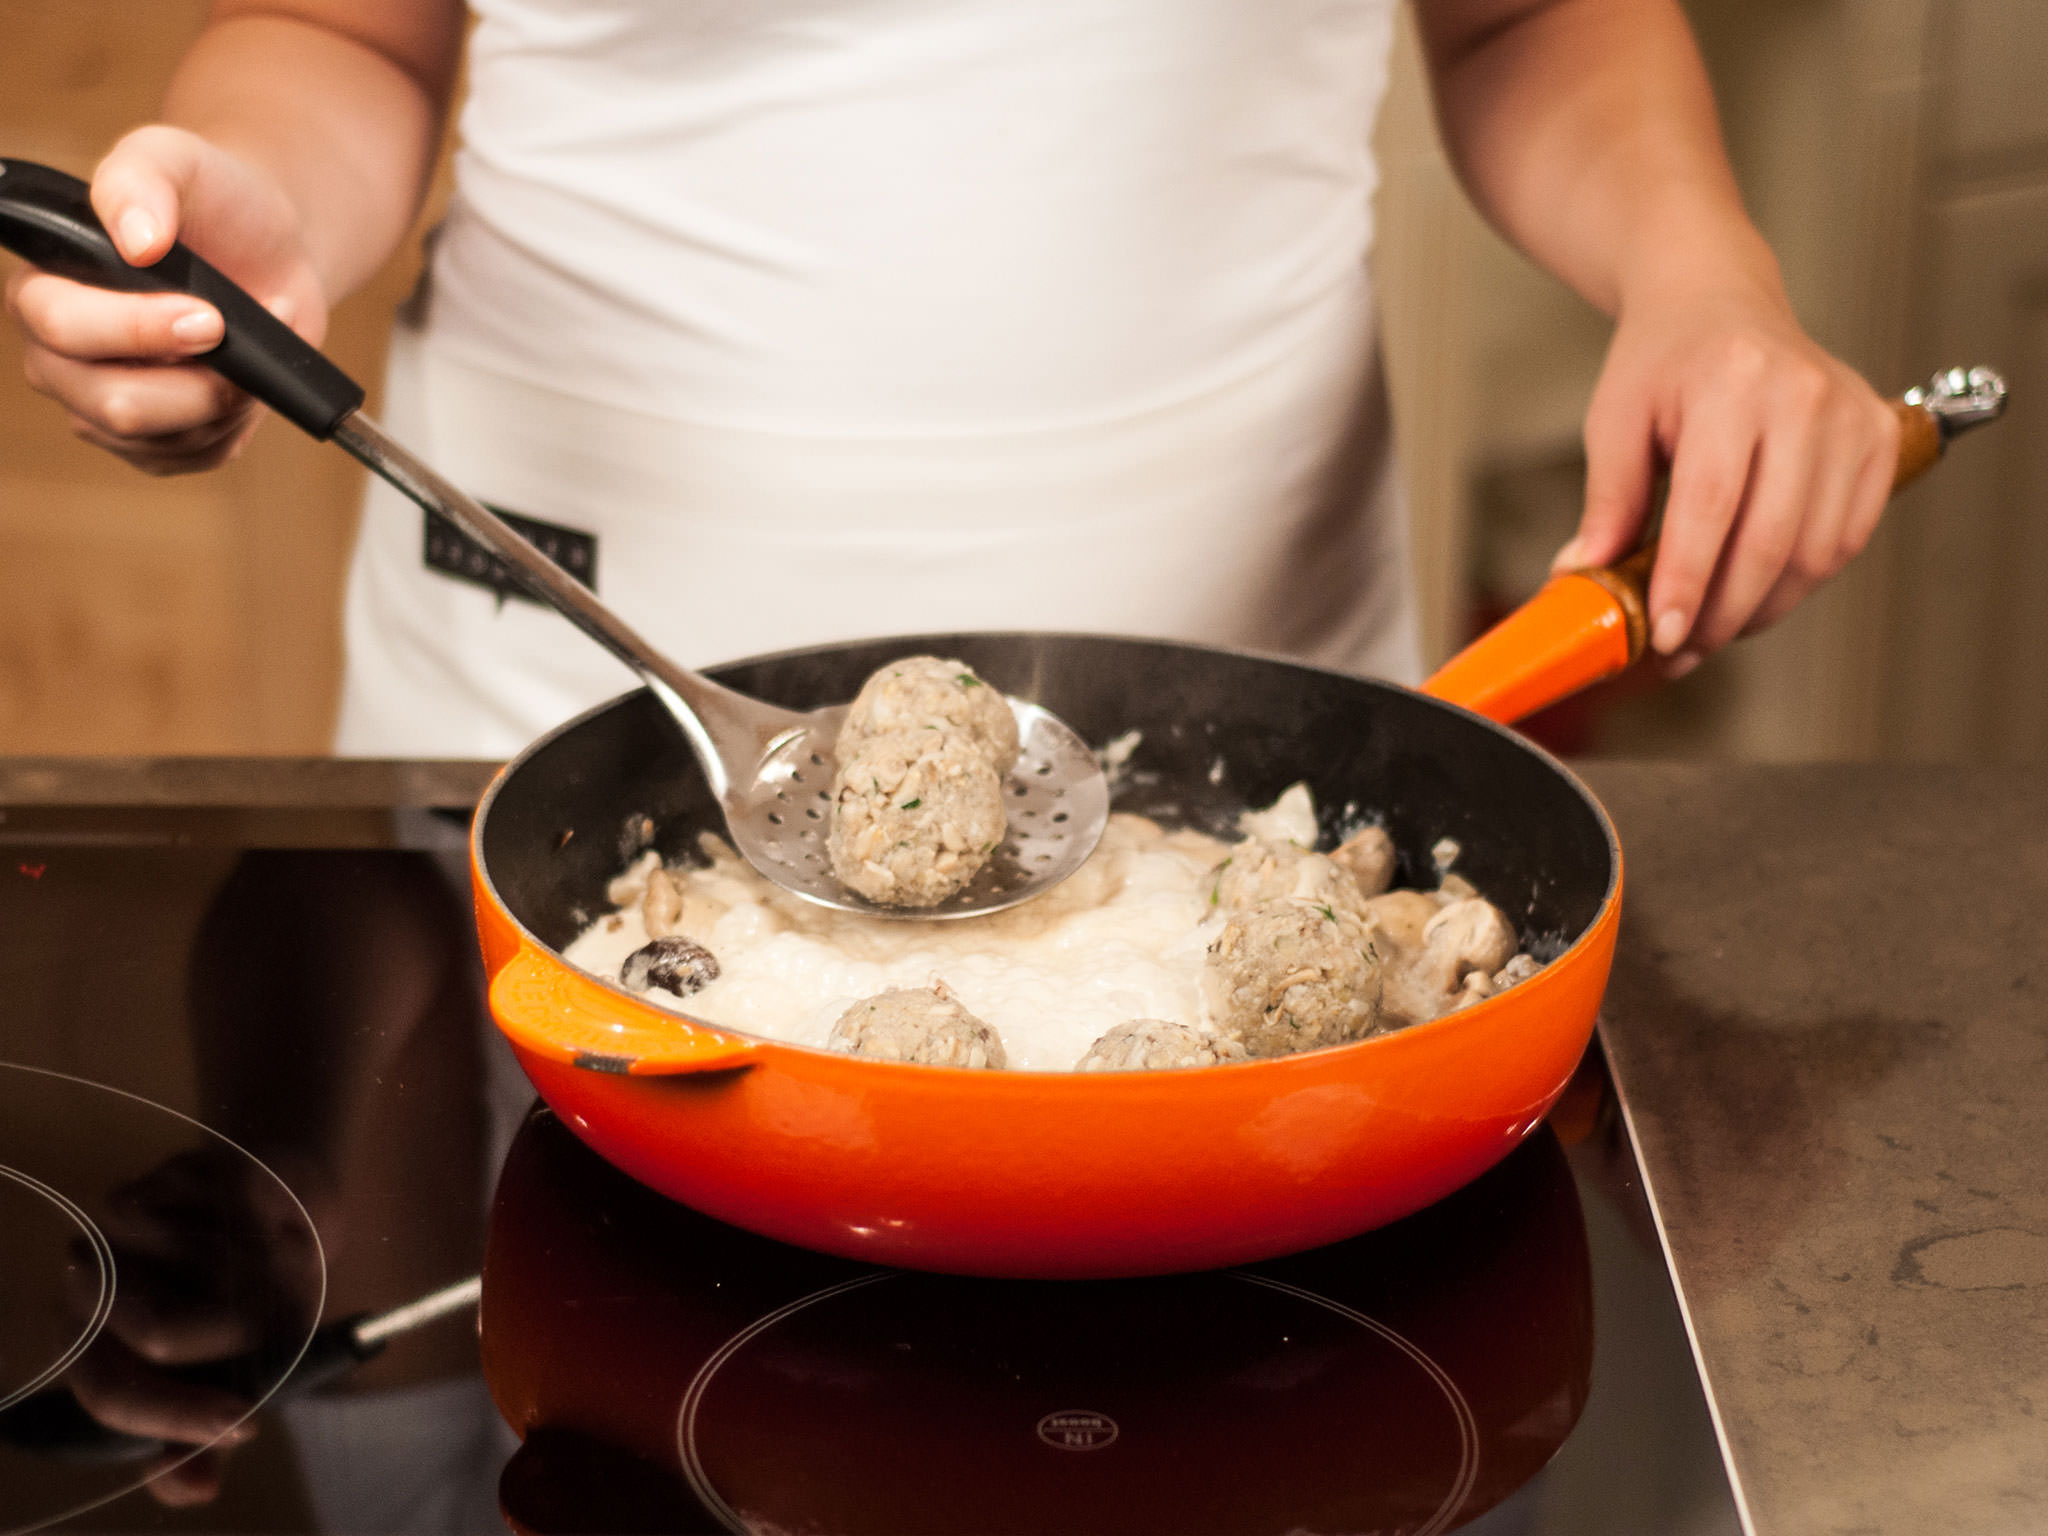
pixel 1895 152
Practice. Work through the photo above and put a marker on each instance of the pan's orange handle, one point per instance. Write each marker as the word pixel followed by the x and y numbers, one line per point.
pixel 1588 625
pixel 545 1007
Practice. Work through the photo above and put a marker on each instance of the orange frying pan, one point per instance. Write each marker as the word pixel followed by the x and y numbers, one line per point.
pixel 1033 1174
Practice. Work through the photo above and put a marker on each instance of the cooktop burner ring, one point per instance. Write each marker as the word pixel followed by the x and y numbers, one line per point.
pixel 103 1261
pixel 1101 1430
pixel 1461 1410
pixel 693 1398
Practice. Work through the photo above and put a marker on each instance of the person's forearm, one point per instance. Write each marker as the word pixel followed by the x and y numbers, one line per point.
pixel 346 128
pixel 1586 130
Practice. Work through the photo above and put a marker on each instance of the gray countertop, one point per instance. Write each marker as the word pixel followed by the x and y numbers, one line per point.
pixel 1829 1023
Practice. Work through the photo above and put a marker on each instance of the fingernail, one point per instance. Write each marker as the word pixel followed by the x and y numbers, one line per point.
pixel 197 328
pixel 1681 664
pixel 1572 556
pixel 138 232
pixel 1670 631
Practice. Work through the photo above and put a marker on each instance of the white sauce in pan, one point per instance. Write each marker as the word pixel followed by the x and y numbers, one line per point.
pixel 1122 939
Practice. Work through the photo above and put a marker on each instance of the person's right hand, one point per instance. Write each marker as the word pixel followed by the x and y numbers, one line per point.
pixel 118 362
pixel 216 1259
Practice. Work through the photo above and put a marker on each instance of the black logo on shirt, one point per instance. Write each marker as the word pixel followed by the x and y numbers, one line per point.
pixel 454 553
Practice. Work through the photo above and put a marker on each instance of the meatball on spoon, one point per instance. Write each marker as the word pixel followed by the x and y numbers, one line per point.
pixel 771 769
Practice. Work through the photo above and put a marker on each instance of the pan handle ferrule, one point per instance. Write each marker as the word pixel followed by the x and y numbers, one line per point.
pixel 1960 398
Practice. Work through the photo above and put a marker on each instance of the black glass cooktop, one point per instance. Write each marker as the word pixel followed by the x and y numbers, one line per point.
pixel 257 1141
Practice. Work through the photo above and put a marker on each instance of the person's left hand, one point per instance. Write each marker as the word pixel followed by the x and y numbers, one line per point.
pixel 1781 459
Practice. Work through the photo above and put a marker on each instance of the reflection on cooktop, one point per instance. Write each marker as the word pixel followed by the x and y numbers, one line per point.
pixel 136 1240
pixel 1390 1383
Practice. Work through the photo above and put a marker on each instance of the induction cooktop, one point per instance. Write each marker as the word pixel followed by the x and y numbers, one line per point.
pixel 251 1112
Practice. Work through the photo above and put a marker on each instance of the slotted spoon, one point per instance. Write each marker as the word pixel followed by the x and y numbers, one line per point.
pixel 771 768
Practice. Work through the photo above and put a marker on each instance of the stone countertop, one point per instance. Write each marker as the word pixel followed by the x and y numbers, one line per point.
pixel 1829 1025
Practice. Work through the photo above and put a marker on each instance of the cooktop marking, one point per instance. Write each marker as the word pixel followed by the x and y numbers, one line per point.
pixel 1078 1431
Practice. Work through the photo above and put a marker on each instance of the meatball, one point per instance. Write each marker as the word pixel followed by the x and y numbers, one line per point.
pixel 1468 935
pixel 1140 1045
pixel 1292 976
pixel 924 693
pixel 1369 856
pixel 921 1024
pixel 915 815
pixel 1258 871
pixel 675 964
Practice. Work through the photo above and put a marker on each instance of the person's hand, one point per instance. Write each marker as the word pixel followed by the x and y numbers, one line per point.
pixel 118 362
pixel 216 1260
pixel 1781 459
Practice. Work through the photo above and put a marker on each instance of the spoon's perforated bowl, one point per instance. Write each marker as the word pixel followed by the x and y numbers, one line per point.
pixel 1055 798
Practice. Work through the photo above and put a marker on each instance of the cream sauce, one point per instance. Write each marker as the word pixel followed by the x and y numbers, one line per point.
pixel 1121 939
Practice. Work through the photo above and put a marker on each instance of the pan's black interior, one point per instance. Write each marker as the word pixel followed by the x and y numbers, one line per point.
pixel 1218 731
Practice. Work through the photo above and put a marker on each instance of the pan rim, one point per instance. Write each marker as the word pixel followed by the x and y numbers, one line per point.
pixel 918 644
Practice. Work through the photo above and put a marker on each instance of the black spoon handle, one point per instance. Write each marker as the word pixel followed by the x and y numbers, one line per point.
pixel 46 217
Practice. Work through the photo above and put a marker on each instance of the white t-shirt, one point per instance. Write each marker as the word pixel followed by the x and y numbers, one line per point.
pixel 833 318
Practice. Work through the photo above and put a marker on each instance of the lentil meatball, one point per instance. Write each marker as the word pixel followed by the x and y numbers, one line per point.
pixel 920 1024
pixel 1141 1045
pixel 1292 976
pixel 914 816
pixel 1258 871
pixel 924 693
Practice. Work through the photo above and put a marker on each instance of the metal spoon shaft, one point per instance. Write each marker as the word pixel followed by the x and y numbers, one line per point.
pixel 704 709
